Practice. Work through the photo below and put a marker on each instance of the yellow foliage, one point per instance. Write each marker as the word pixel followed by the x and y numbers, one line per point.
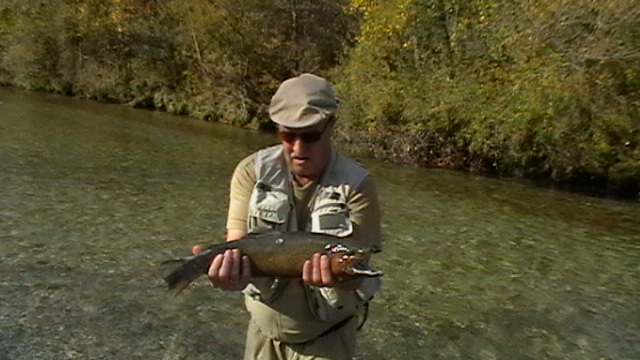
pixel 382 19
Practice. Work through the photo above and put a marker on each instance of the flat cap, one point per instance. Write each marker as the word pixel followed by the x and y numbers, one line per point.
pixel 303 101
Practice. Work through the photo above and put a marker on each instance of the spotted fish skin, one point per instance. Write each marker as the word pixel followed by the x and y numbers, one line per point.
pixel 278 254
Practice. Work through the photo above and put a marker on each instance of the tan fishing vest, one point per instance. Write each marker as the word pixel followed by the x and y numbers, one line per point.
pixel 290 312
pixel 271 205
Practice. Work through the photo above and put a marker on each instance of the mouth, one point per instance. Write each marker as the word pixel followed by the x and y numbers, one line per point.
pixel 300 159
pixel 355 266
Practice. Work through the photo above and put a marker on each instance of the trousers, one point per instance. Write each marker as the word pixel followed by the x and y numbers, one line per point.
pixel 335 345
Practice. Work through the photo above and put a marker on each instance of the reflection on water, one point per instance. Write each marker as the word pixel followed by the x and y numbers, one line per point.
pixel 93 196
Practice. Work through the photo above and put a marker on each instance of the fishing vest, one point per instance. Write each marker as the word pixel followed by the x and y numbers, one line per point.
pixel 278 309
pixel 271 206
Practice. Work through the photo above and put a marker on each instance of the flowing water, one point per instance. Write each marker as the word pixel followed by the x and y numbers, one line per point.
pixel 93 196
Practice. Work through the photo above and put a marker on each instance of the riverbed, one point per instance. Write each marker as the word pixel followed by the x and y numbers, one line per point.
pixel 93 196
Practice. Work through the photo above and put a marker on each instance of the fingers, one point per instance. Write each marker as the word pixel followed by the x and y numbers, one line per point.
pixel 196 249
pixel 225 270
pixel 325 271
pixel 214 268
pixel 307 272
pixel 317 271
pixel 230 270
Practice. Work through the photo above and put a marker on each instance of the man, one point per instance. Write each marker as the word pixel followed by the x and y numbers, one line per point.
pixel 302 184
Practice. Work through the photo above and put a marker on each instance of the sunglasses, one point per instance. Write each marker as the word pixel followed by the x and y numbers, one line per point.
pixel 308 137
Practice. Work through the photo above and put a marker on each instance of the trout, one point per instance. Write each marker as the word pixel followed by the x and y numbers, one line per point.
pixel 278 255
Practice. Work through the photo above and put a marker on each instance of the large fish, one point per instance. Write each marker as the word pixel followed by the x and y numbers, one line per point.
pixel 278 254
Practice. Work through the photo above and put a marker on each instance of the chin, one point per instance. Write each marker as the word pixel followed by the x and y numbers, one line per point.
pixel 302 172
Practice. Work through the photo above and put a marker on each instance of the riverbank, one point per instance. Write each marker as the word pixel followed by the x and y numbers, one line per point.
pixel 386 146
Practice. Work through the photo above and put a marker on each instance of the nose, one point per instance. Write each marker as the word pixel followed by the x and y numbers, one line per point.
pixel 298 145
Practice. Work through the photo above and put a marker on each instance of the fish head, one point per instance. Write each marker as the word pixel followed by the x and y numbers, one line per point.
pixel 349 263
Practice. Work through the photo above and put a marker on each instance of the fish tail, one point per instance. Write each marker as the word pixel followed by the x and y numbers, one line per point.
pixel 190 268
pixel 180 277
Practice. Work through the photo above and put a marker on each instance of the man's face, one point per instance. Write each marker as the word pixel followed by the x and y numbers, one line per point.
pixel 307 150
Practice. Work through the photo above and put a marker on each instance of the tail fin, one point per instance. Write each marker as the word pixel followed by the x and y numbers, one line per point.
pixel 191 267
pixel 181 276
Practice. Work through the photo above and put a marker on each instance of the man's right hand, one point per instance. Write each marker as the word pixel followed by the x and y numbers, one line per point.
pixel 229 270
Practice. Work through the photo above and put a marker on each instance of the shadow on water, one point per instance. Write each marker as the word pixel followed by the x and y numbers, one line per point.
pixel 94 196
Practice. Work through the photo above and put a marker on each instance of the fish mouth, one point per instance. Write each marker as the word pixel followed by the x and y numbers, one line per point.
pixel 354 261
pixel 355 265
pixel 361 269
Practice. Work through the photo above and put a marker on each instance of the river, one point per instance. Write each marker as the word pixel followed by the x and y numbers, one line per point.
pixel 94 196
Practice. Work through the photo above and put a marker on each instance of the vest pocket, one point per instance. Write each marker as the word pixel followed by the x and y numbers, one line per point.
pixel 331 216
pixel 268 209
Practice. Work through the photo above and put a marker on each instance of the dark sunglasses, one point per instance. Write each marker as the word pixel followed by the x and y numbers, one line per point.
pixel 308 137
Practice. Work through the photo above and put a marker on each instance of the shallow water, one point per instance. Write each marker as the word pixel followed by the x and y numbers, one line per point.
pixel 93 196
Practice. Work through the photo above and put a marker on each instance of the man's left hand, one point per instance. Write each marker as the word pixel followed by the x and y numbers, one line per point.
pixel 317 271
